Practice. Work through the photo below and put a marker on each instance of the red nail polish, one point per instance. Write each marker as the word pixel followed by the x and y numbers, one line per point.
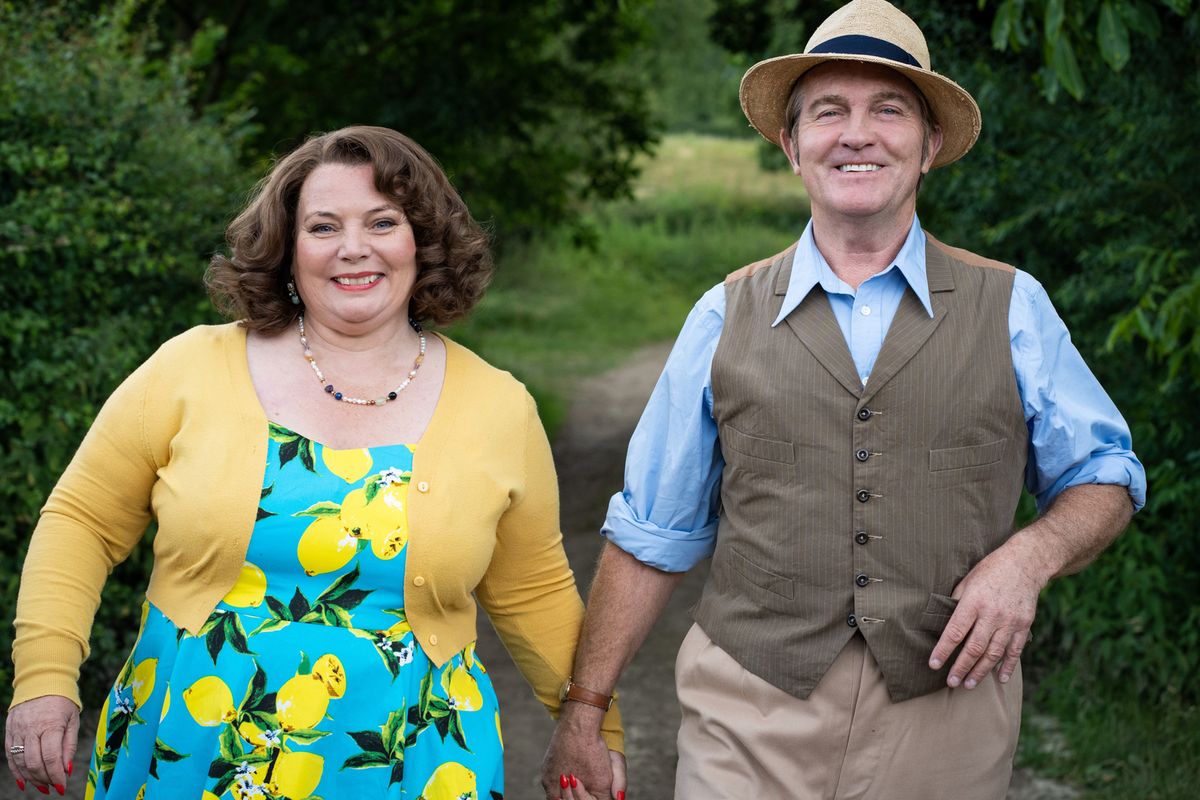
pixel 620 795
pixel 58 787
pixel 20 784
pixel 44 789
pixel 70 766
pixel 574 782
pixel 562 781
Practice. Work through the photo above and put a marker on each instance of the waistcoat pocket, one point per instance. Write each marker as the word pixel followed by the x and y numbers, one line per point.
pixel 938 610
pixel 952 466
pixel 757 446
pixel 760 576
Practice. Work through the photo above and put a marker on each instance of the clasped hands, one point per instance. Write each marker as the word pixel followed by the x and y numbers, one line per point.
pixel 578 765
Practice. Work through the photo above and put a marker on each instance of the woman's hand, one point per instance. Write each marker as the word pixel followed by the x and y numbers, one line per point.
pixel 48 729
pixel 577 790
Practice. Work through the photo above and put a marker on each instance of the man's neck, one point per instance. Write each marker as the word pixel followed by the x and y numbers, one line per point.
pixel 858 249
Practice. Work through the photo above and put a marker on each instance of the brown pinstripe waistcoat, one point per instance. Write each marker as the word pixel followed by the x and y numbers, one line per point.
pixel 856 510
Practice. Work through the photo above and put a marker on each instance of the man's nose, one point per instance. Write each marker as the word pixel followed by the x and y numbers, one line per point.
pixel 857 132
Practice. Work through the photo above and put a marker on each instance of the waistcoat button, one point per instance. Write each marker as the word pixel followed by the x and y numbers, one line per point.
pixel 861 537
pixel 861 580
pixel 862 455
pixel 864 414
pixel 863 495
pixel 852 620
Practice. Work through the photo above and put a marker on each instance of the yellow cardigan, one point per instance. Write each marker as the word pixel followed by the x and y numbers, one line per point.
pixel 183 441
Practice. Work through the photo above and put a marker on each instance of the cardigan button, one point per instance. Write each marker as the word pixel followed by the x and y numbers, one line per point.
pixel 433 639
pixel 423 486
pixel 419 580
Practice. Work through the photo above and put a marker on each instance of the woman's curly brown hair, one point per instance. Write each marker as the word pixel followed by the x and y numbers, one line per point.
pixel 454 264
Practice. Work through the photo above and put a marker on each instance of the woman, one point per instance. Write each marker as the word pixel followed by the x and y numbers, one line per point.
pixel 331 486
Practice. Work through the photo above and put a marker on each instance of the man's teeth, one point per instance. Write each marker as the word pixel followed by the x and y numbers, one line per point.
pixel 357 281
pixel 859 167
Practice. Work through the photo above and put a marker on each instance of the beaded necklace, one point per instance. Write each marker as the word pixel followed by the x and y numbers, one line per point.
pixel 358 401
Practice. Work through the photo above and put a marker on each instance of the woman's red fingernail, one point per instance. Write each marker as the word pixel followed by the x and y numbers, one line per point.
pixel 20 784
pixel 58 787
pixel 574 782
pixel 562 781
pixel 70 766
pixel 44 789
pixel 620 795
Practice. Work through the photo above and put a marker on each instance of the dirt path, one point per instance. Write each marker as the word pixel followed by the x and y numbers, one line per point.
pixel 590 453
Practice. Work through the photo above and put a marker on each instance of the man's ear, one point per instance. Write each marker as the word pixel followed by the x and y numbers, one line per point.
pixel 935 145
pixel 789 150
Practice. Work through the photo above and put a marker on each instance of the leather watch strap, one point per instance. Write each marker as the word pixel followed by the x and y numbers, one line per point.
pixel 574 691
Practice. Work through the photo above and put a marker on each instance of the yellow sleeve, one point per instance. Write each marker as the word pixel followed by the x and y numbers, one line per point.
pixel 95 515
pixel 529 590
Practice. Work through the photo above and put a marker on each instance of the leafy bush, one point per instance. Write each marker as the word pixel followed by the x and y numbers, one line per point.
pixel 112 194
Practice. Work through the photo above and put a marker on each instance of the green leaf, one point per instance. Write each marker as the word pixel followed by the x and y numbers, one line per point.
pixel 215 641
pixel 371 487
pixel 366 761
pixel 236 634
pixel 262 513
pixel 1002 25
pixel 339 586
pixel 308 455
pixel 277 608
pixel 1066 68
pixel 256 690
pixel 279 433
pixel 305 667
pixel 287 451
pixel 393 729
pixel 164 752
pixel 306 735
pixel 325 508
pixel 397 772
pixel 456 731
pixel 1113 37
pixel 1055 12
pixel 369 741
pixel 299 605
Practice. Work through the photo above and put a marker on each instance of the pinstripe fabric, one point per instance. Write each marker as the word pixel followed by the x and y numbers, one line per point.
pixel 945 441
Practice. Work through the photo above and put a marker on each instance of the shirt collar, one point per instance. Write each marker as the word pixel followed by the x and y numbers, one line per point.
pixel 810 269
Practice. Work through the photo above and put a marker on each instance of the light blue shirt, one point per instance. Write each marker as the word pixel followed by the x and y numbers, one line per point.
pixel 666 515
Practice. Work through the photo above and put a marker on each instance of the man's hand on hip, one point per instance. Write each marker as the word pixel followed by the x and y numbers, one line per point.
pixel 997 601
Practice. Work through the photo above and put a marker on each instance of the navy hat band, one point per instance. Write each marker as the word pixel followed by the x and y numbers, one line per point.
pixel 858 45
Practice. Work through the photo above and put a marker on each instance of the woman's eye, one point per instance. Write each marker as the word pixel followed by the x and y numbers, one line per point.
pixel 383 224
pixel 321 228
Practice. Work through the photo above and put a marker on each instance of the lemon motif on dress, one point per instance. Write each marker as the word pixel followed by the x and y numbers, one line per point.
pixel 166 704
pixel 377 513
pixel 326 545
pixel 296 774
pixel 450 781
pixel 330 672
pixel 249 589
pixel 349 465
pixel 142 682
pixel 209 701
pixel 301 702
pixel 462 690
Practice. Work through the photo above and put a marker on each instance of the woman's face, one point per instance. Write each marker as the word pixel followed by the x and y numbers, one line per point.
pixel 355 262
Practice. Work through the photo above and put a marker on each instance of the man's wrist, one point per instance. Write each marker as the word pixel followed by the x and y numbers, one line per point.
pixel 575 693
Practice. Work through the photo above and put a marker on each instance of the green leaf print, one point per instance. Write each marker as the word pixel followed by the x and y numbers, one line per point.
pixel 308 455
pixel 456 731
pixel 299 605
pixel 287 451
pixel 397 773
pixel 305 667
pixel 225 627
pixel 256 690
pixel 325 508
pixel 381 749
pixel 279 433
pixel 307 735
pixel 163 752
pixel 366 761
pixel 262 512
pixel 278 609
pixel 368 741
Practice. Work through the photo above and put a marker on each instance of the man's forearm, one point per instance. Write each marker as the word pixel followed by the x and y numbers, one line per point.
pixel 1082 522
pixel 625 600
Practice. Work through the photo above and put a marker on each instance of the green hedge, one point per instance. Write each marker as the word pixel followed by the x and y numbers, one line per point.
pixel 113 193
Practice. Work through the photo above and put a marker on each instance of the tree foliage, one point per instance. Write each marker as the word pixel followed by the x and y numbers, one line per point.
pixel 113 192
pixel 531 105
pixel 1094 193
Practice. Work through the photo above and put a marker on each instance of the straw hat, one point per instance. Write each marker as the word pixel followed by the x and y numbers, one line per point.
pixel 876 32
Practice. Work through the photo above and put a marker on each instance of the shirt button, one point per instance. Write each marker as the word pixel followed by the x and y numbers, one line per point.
pixel 861 537
pixel 852 620
pixel 863 495
pixel 865 311
pixel 433 639
pixel 862 455
pixel 419 581
pixel 861 580
pixel 423 486
pixel 864 414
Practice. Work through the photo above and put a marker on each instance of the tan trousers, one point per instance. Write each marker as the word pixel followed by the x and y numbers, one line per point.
pixel 742 738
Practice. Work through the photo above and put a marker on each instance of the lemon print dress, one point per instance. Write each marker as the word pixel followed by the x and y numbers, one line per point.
pixel 305 682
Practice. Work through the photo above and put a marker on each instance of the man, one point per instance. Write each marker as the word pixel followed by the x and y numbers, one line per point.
pixel 845 429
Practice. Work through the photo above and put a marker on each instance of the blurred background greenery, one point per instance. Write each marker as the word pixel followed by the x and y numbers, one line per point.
pixel 602 143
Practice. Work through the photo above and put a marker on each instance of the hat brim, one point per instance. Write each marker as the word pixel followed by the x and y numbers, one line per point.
pixel 767 86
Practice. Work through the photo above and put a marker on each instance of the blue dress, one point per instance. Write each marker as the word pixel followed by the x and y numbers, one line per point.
pixel 305 682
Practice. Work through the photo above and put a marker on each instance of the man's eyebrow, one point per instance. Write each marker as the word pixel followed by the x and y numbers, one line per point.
pixel 892 94
pixel 828 100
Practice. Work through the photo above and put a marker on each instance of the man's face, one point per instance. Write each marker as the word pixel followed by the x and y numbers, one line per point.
pixel 858 141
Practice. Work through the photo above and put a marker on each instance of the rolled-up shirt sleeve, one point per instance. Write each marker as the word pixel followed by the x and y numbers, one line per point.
pixel 1076 433
pixel 666 514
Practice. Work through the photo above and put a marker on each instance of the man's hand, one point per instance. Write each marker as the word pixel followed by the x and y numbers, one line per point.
pixel 577 750
pixel 997 601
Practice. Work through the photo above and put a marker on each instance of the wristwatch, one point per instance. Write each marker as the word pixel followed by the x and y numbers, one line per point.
pixel 573 691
